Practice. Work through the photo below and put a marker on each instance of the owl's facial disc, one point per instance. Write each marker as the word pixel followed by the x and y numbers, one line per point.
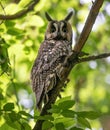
pixel 59 30
pixel 54 28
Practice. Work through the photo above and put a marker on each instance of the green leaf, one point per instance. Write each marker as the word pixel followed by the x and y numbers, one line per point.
pixel 76 128
pixel 5 126
pixel 1 29
pixel 24 3
pixel 84 122
pixel 47 125
pixel 25 114
pixel 9 23
pixel 36 113
pixel 66 104
pixel 89 114
pixel 1 112
pixel 1 96
pixel 35 19
pixel 8 107
pixel 63 99
pixel 13 124
pixel 12 8
pixel 59 126
pixel 4 59
pixel 66 121
pixel 54 109
pixel 14 31
pixel 26 126
pixel 46 117
pixel 68 113
pixel 14 116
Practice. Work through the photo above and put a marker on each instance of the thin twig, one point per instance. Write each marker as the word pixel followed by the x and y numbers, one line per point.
pixel 20 13
pixel 94 57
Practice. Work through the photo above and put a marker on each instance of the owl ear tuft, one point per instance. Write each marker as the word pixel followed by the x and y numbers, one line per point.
pixel 48 17
pixel 68 16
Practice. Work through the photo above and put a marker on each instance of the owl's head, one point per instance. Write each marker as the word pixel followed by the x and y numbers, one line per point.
pixel 59 30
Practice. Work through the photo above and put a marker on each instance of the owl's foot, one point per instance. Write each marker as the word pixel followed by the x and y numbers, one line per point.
pixel 73 56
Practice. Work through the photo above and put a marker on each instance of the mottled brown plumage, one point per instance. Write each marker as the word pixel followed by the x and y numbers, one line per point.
pixel 52 53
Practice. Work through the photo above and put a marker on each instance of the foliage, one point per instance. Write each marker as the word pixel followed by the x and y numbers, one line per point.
pixel 89 82
pixel 62 117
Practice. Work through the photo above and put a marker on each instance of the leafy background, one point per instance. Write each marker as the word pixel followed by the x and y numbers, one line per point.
pixel 89 82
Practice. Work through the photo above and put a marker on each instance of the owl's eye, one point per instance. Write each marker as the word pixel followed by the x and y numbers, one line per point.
pixel 53 29
pixel 64 29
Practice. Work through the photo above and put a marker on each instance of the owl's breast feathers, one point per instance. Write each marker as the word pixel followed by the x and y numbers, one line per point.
pixel 43 74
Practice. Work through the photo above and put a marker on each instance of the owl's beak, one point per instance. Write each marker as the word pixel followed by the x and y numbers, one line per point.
pixel 58 35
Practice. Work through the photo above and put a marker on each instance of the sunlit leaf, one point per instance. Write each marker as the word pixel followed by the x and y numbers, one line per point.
pixel 66 104
pixel 63 99
pixel 65 120
pixel 5 126
pixel 23 3
pixel 15 125
pixel 12 8
pixel 35 21
pixel 25 114
pixel 40 5
pixel 84 122
pixel 89 114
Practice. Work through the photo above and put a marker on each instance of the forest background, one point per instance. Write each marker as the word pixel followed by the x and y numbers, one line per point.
pixel 20 38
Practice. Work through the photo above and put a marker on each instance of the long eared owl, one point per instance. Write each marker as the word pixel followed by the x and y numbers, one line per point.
pixel 56 46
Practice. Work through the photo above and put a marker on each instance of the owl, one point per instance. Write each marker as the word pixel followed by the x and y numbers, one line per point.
pixel 57 45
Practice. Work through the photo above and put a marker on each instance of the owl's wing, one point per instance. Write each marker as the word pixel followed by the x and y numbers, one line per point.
pixel 39 71
pixel 56 58
pixel 60 51
pixel 43 76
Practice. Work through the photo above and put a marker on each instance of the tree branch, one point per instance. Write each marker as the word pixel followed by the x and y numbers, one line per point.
pixel 20 13
pixel 93 57
pixel 66 70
